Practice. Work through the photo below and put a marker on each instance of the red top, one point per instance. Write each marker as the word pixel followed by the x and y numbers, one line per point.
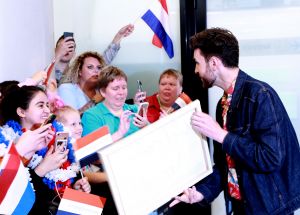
pixel 153 112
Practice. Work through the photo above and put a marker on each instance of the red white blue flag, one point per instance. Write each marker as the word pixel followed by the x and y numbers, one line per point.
pixel 86 147
pixel 157 18
pixel 16 193
pixel 77 202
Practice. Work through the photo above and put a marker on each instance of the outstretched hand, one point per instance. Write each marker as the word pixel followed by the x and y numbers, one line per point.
pixel 190 196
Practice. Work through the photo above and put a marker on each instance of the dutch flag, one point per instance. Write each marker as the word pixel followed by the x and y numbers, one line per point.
pixel 157 18
pixel 75 202
pixel 86 147
pixel 16 194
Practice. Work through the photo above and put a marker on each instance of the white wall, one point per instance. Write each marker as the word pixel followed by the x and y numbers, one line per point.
pixel 26 37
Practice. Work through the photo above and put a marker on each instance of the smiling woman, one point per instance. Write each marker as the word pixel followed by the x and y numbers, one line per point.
pixel 113 112
pixel 51 170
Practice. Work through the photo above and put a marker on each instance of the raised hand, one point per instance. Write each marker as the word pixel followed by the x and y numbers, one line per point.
pixel 64 47
pixel 123 32
pixel 138 97
pixel 39 77
pixel 32 141
pixel 52 160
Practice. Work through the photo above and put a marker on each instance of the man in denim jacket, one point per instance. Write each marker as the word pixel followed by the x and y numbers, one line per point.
pixel 256 151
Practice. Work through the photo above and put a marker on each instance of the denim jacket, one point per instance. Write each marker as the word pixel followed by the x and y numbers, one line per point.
pixel 264 145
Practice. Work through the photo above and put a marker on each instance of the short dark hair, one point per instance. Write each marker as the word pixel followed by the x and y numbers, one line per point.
pixel 17 97
pixel 217 42
pixel 109 74
pixel 5 87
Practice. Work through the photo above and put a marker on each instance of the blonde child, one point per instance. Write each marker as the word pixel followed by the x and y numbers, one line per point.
pixel 70 118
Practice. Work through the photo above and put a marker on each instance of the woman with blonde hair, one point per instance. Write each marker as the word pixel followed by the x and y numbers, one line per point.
pixel 82 93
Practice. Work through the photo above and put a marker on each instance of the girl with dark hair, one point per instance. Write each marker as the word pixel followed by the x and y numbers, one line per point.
pixel 52 170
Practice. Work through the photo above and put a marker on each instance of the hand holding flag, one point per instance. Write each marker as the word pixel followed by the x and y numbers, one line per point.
pixel 49 71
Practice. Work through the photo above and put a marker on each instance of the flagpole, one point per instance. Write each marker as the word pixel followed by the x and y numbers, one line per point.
pixel 81 173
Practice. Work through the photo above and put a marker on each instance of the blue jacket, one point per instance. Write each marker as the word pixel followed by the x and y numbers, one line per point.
pixel 264 145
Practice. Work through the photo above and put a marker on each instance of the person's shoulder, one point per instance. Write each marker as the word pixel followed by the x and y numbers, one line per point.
pixel 257 87
pixel 95 110
pixel 151 98
pixel 67 86
pixel 131 107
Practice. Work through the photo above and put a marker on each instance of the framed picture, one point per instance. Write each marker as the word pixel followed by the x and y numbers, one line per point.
pixel 148 168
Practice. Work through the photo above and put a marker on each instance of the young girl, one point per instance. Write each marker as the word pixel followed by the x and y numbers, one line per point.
pixel 51 170
pixel 70 118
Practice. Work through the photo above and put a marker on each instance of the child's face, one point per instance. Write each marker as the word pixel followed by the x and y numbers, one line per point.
pixel 73 123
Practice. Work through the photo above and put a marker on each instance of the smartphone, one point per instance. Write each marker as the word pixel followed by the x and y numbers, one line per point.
pixel 68 34
pixel 143 108
pixel 140 86
pixel 50 119
pixel 61 139
pixel 140 89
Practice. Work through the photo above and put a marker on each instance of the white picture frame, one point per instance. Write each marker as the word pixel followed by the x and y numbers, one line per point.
pixel 148 168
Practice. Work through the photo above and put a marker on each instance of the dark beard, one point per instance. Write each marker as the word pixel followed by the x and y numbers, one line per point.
pixel 206 84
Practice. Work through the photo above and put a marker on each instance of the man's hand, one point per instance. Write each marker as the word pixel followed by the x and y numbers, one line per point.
pixel 206 125
pixel 190 196
pixel 65 46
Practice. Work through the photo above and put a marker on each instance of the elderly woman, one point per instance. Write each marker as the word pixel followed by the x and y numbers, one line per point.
pixel 82 93
pixel 121 118
pixel 169 88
